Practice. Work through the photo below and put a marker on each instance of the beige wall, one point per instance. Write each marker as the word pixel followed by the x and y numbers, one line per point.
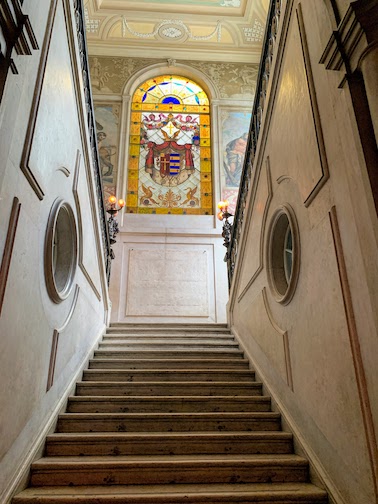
pixel 47 123
pixel 318 352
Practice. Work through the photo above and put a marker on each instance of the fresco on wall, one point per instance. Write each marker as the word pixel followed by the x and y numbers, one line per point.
pixel 235 127
pixel 233 80
pixel 169 167
pixel 107 126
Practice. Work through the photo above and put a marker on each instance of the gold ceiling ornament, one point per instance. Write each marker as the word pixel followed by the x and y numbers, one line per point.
pixel 175 28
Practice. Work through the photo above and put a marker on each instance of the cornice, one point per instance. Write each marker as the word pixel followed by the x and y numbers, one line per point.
pixel 355 33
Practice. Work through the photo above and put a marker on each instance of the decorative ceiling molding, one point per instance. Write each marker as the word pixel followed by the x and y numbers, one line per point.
pixel 254 33
pixel 175 29
pixel 199 30
pixel 91 25
pixel 192 7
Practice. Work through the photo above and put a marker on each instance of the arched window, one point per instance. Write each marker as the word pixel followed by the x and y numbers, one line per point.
pixel 169 165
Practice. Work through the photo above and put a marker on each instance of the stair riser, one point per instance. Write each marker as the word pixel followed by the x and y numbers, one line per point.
pixel 175 499
pixel 168 376
pixel 147 474
pixel 166 330
pixel 165 389
pixel 165 354
pixel 167 405
pixel 168 447
pixel 166 425
pixel 133 364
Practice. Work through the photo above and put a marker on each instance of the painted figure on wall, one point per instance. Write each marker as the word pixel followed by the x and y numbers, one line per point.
pixel 106 152
pixel 107 127
pixel 235 125
pixel 234 159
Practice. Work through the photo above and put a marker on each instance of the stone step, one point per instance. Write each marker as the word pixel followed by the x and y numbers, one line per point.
pixel 250 493
pixel 167 345
pixel 159 470
pixel 170 335
pixel 169 328
pixel 168 388
pixel 110 363
pixel 168 422
pixel 168 375
pixel 195 443
pixel 214 353
pixel 168 404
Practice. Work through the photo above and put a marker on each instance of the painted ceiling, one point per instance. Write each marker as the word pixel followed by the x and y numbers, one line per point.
pixel 207 30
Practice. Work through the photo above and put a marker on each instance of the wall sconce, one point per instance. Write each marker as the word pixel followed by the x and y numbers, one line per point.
pixel 223 215
pixel 112 209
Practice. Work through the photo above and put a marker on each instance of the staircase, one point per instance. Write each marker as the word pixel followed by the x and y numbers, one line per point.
pixel 169 415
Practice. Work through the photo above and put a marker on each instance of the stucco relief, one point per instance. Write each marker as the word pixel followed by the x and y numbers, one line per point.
pixel 233 80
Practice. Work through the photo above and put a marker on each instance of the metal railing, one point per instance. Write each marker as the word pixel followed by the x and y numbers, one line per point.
pixel 257 113
pixel 79 17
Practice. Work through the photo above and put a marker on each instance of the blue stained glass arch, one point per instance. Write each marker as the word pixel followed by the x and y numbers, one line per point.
pixel 171 99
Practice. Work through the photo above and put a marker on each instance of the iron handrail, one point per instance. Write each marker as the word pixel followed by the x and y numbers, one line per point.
pixel 83 48
pixel 254 131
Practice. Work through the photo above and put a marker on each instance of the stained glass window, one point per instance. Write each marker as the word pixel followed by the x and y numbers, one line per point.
pixel 169 165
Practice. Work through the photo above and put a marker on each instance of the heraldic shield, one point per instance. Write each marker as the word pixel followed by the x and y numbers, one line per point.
pixel 169 164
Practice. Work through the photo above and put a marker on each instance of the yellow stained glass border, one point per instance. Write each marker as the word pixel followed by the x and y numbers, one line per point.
pixel 144 100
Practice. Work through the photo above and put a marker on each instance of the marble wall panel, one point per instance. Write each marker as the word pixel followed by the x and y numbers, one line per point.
pixel 168 282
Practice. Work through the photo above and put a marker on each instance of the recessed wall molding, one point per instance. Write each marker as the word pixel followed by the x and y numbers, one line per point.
pixel 54 348
pixel 80 226
pixel 282 178
pixel 370 434
pixel 262 231
pixel 285 339
pixel 315 110
pixel 25 158
pixel 8 248
pixel 64 170
pixel 55 340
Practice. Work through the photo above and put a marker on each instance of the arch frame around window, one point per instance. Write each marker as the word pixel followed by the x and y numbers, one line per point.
pixel 282 224
pixel 130 87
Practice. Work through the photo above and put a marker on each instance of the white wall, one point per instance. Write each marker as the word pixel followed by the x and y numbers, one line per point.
pixel 318 352
pixel 43 130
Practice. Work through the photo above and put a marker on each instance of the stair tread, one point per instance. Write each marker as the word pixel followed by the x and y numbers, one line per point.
pixel 173 361
pixel 210 351
pixel 216 415
pixel 172 334
pixel 171 383
pixel 163 399
pixel 173 370
pixel 172 435
pixel 198 493
pixel 159 460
